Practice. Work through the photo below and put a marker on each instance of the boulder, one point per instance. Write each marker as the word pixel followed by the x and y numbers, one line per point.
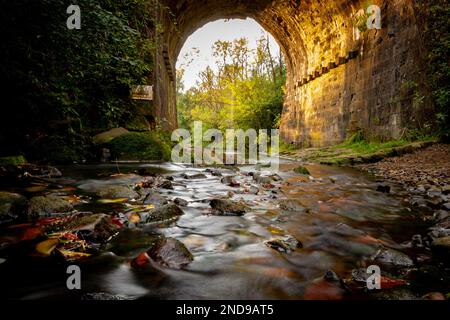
pixel 155 199
pixel 286 244
pixel 389 257
pixel 117 192
pixel 12 205
pixel 46 205
pixel 224 207
pixel 92 227
pixel 163 213
pixel 170 253
pixel 108 136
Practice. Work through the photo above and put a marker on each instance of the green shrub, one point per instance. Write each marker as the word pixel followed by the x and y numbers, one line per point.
pixel 140 146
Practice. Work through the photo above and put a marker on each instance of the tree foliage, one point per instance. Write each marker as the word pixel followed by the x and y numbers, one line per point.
pixel 246 90
pixel 61 82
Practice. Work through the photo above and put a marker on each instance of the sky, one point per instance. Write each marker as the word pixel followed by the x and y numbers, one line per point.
pixel 204 38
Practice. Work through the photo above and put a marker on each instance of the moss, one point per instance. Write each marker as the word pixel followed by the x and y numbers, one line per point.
pixel 302 170
pixel 13 160
pixel 140 146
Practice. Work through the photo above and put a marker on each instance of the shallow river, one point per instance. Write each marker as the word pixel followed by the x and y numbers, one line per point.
pixel 340 218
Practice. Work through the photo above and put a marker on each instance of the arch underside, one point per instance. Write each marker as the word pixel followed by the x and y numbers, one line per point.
pixel 334 81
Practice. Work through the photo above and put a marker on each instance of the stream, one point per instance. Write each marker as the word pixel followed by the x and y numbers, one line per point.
pixel 338 216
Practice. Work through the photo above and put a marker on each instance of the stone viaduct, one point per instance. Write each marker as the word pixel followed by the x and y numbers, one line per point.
pixel 338 81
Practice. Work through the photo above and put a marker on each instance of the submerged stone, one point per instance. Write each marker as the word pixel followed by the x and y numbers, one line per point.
pixel 171 253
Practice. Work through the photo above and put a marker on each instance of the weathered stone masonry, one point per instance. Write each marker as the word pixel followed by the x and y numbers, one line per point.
pixel 336 84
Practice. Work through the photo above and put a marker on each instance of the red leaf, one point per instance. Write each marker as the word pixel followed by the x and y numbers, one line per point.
pixel 387 283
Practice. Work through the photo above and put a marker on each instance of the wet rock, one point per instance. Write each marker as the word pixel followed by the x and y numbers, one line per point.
pixel 446 206
pixel 46 205
pixel 302 170
pixel 102 296
pixel 396 294
pixel 286 244
pixel 214 172
pixel 330 287
pixel 12 205
pixel 389 257
pixel 166 184
pixel 261 179
pixel 253 190
pixel 193 176
pixel 441 244
pixel 227 207
pixel 180 202
pixel 417 241
pixel 446 189
pixel 155 199
pixel 384 188
pixel 130 242
pixel 434 296
pixel 163 213
pixel 228 180
pixel 276 177
pixel 440 215
pixel 93 227
pixel 116 192
pixel 290 205
pixel 171 253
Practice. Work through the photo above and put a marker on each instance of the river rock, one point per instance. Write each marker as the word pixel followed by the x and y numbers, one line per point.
pixel 229 181
pixel 116 192
pixel 261 179
pixel 166 184
pixel 180 202
pixel 441 244
pixel 384 188
pixel 170 253
pixel 446 206
pixel 286 244
pixel 163 213
pixel 45 205
pixel 155 199
pixel 12 205
pixel 394 258
pixel 130 242
pixel 193 176
pixel 224 207
pixel 290 205
pixel 440 215
pixel 102 296
pixel 92 227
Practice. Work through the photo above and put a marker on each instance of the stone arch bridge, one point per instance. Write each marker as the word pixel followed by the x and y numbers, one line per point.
pixel 337 82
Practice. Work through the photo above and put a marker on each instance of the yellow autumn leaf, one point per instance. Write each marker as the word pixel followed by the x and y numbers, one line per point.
pixel 46 247
pixel 105 201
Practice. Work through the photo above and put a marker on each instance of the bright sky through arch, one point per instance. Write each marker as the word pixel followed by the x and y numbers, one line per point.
pixel 204 38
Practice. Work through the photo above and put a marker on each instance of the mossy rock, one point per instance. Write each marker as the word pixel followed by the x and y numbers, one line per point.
pixel 140 146
pixel 302 170
pixel 13 161
pixel 107 136
pixel 45 205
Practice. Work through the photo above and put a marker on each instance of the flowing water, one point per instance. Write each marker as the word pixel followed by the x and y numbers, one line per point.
pixel 340 218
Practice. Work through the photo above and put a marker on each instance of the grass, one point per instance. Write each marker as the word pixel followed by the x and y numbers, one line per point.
pixel 357 150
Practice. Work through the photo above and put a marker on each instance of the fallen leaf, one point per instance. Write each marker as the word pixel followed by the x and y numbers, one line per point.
pixel 106 201
pixel 141 260
pixel 72 255
pixel 46 247
pixel 31 233
pixel 387 283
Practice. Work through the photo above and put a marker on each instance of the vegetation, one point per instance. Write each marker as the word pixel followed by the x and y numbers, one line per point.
pixel 436 16
pixel 246 90
pixel 63 84
pixel 141 146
